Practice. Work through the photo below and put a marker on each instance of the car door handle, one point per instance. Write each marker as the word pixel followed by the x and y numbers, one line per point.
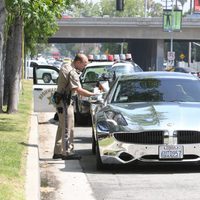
pixel 38 89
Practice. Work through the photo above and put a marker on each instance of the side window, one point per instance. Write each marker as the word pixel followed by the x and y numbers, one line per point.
pixel 46 75
pixel 33 64
pixel 91 76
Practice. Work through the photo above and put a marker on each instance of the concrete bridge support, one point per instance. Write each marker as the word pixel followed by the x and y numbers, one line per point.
pixel 159 55
pixel 148 54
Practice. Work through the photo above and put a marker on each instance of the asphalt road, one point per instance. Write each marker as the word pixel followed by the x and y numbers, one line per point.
pixel 79 180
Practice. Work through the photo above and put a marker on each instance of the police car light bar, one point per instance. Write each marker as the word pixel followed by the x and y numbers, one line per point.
pixel 110 57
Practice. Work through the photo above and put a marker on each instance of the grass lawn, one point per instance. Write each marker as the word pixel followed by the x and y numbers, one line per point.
pixel 14 132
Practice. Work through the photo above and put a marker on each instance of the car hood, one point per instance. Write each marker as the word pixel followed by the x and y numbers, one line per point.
pixel 157 116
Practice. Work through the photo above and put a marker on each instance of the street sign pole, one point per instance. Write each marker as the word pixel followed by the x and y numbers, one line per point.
pixel 171 41
pixel 172 25
pixel 172 20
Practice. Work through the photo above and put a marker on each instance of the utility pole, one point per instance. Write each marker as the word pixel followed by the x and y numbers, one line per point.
pixel 191 6
pixel 171 31
pixel 190 44
pixel 120 5
pixel 189 53
pixel 169 22
pixel 145 8
pixel 176 4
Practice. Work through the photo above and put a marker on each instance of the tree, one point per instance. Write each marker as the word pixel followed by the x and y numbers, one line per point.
pixel 132 8
pixel 2 23
pixel 154 9
pixel 14 55
pixel 37 21
pixel 108 8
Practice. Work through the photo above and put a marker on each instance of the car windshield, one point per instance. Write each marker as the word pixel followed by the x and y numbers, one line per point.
pixel 157 90
pixel 92 75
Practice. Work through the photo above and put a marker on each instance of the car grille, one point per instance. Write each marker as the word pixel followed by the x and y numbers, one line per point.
pixel 188 137
pixel 157 137
pixel 149 137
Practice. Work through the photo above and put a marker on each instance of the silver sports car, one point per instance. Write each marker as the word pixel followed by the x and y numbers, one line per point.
pixel 148 117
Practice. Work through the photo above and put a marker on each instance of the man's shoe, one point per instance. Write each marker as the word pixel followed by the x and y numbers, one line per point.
pixel 57 156
pixel 71 157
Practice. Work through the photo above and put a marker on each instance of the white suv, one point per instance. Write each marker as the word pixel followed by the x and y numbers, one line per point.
pixel 30 64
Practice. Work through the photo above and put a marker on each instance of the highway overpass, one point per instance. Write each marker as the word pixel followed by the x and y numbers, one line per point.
pixel 145 36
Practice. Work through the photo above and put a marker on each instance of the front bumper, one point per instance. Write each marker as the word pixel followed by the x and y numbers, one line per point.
pixel 113 151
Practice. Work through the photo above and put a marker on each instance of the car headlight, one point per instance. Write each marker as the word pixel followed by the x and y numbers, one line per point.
pixel 117 118
pixel 102 126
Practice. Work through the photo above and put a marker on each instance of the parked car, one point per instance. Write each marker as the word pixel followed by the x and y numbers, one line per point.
pixel 46 76
pixel 92 74
pixel 189 70
pixel 148 117
pixel 45 84
pixel 57 64
pixel 30 64
pixel 122 68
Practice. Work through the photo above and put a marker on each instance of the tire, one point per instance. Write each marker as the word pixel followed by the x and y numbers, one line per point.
pixel 46 78
pixel 93 143
pixel 77 114
pixel 81 119
pixel 99 164
pixel 56 117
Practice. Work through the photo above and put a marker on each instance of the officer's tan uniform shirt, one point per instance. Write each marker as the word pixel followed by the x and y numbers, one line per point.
pixel 68 79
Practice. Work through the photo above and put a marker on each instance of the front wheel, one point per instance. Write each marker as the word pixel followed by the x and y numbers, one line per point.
pixel 46 78
pixel 93 143
pixel 99 163
pixel 80 118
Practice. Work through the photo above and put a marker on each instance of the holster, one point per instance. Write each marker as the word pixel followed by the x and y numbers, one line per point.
pixel 66 98
pixel 57 97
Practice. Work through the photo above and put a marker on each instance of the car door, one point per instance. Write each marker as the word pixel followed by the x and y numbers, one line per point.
pixel 44 85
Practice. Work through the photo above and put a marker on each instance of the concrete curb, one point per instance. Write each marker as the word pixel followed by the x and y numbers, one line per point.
pixel 32 187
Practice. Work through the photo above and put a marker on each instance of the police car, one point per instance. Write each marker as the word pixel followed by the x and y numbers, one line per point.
pixel 44 85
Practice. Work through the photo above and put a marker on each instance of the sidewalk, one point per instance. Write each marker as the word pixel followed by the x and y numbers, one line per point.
pixel 65 180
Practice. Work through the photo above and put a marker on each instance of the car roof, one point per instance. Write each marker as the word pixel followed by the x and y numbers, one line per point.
pixel 158 74
pixel 99 64
pixel 126 64
pixel 122 64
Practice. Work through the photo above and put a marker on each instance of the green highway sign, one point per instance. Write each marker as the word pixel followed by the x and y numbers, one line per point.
pixel 172 20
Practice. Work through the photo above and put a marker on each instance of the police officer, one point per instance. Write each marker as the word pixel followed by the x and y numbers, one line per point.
pixel 68 84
